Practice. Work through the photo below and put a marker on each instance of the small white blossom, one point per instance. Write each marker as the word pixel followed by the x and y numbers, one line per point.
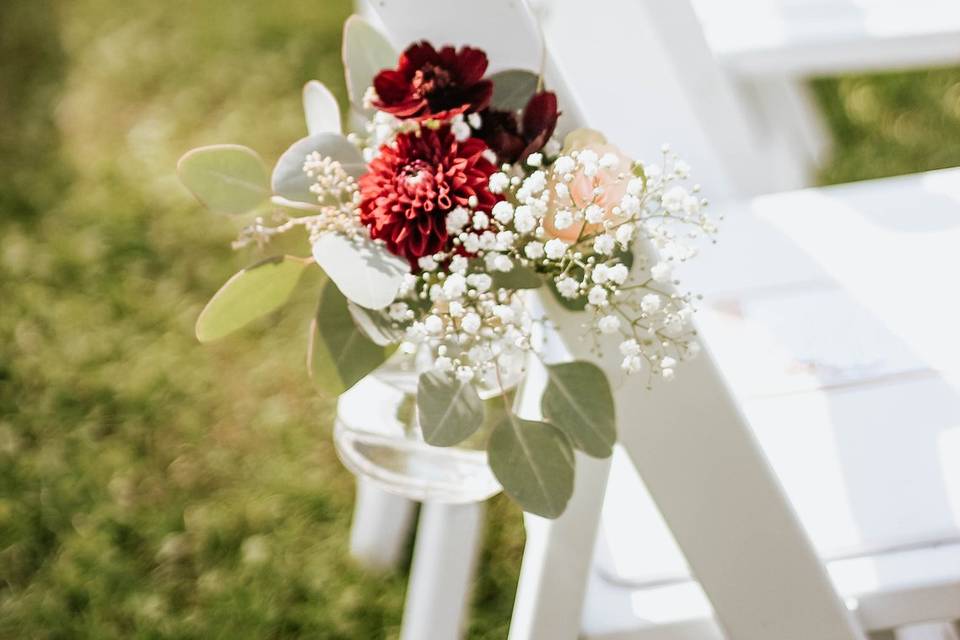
pixel 629 348
pixel 503 212
pixel 667 374
pixel 632 364
pixel 460 129
pixel 498 182
pixel 502 263
pixel 562 190
pixel 433 324
pixel 619 273
pixel 535 159
pixel 504 313
pixel 604 244
pixel 555 248
pixel 597 296
pixel 455 309
pixel 595 214
pixel 650 303
pixel 668 363
pixel 630 205
pixel 535 182
pixel 470 323
pixel 673 199
pixel 505 240
pixel 600 274
pixel 564 165
pixel 398 311
pixel 480 220
pixel 454 286
pixel 443 364
pixel 533 250
pixel 524 220
pixel 635 187
pixel 661 272
pixel 458 264
pixel 562 219
pixel 457 220
pixel 480 281
pixel 471 242
pixel 464 374
pixel 427 263
pixel 625 234
pixel 609 324
pixel 568 287
pixel 474 120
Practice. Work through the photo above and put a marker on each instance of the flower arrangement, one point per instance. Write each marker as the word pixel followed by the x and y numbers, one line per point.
pixel 452 200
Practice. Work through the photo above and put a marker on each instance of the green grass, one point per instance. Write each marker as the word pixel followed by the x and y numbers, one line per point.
pixel 154 488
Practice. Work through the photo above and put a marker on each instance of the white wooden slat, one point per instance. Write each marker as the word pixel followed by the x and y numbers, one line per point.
pixel 820 37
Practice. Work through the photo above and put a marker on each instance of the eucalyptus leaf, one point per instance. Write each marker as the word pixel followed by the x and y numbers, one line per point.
pixel 249 294
pixel 366 52
pixel 289 180
pixel 517 278
pixel 366 273
pixel 513 88
pixel 578 401
pixel 225 178
pixel 339 354
pixel 320 109
pixel 534 462
pixel 375 324
pixel 449 410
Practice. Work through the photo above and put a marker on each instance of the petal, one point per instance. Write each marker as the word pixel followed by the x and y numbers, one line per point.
pixel 479 95
pixel 471 65
pixel 540 115
pixel 391 86
pixel 415 56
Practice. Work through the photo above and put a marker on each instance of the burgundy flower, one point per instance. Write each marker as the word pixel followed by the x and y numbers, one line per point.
pixel 415 182
pixel 514 139
pixel 434 84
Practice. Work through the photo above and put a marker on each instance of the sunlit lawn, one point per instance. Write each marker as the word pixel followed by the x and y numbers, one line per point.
pixel 153 488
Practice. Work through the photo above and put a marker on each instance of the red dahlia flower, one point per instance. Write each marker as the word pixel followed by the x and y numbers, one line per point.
pixel 513 142
pixel 434 84
pixel 415 182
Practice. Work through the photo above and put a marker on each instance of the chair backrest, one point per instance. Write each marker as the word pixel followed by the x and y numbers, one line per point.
pixel 689 441
pixel 671 87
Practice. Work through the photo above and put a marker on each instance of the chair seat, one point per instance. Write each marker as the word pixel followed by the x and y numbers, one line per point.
pixel 809 37
pixel 830 313
pixel 884 590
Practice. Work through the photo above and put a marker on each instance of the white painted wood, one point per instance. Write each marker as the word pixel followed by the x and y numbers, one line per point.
pixel 381 526
pixel 821 37
pixel 441 577
pixel 929 631
pixel 853 392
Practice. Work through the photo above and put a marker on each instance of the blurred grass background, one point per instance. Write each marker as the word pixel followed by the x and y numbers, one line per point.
pixel 151 488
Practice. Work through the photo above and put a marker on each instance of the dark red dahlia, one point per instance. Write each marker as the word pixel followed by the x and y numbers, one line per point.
pixel 514 139
pixel 415 182
pixel 434 84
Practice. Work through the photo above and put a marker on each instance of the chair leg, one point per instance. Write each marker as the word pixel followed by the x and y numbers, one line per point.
pixel 381 526
pixel 927 631
pixel 444 561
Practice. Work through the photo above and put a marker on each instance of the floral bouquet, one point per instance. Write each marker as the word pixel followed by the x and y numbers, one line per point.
pixel 451 201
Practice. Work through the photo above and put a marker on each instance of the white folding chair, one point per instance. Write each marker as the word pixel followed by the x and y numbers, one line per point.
pixel 784 591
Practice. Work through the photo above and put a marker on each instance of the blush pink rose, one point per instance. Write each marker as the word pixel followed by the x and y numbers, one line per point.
pixel 612 180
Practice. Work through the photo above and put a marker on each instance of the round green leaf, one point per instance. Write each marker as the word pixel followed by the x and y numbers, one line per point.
pixel 289 180
pixel 449 410
pixel 249 294
pixel 579 402
pixel 534 462
pixel 363 270
pixel 513 88
pixel 225 178
pixel 366 52
pixel 339 355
